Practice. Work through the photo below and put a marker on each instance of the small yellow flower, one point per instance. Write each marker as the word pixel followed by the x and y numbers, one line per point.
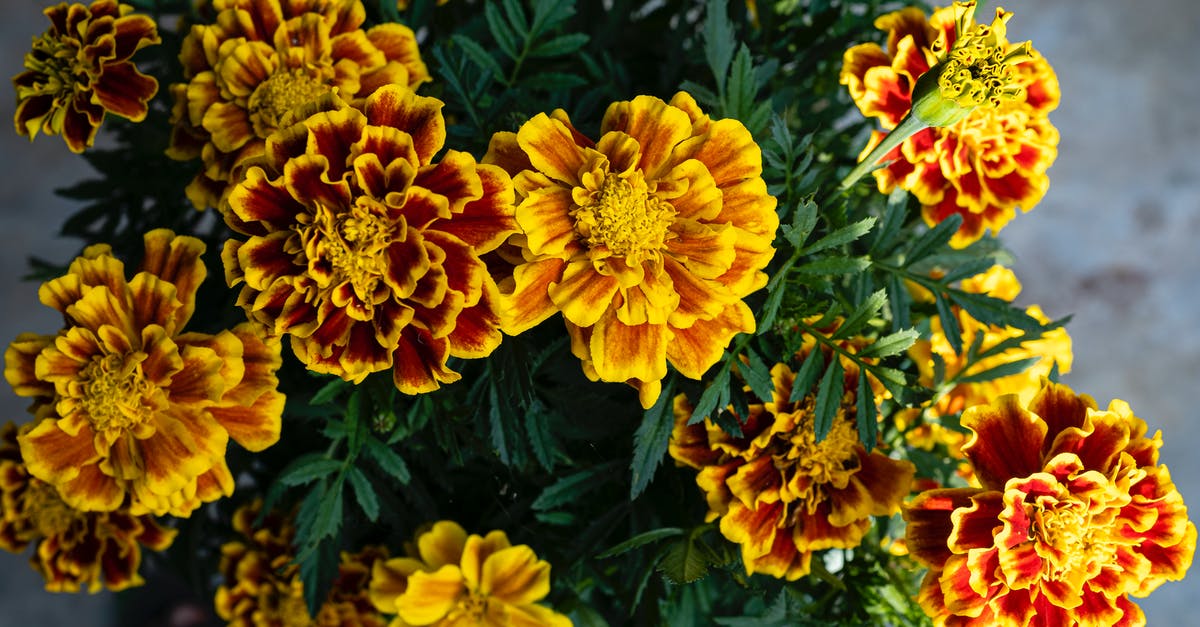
pixel 80 69
pixel 456 579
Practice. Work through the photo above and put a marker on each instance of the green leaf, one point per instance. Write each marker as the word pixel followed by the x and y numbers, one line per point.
pixel 364 493
pixel 388 461
pixel 641 539
pixel 560 46
pixel 804 220
pixel 899 302
pixel 551 81
pixel 719 41
pixel 549 13
pixel 504 36
pixel 1002 370
pixel 950 326
pixel 861 315
pixel 318 567
pixel 868 419
pixel 806 377
pixel 688 560
pixel 571 487
pixel 329 513
pixel 496 420
pixel 887 236
pixel 829 398
pixel 892 379
pixel 770 308
pixel 933 239
pixel 516 18
pixel 844 235
pixel 541 438
pixel 308 468
pixel 757 376
pixel 892 344
pixel 481 57
pixel 970 268
pixel 329 391
pixel 650 440
pixel 992 310
pixel 714 396
pixel 835 265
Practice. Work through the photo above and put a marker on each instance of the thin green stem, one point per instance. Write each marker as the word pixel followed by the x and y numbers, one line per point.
pixel 908 127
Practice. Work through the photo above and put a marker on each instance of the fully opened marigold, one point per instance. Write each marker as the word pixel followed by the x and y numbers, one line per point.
pixel 80 69
pixel 72 549
pixel 646 240
pixel 261 586
pixel 778 492
pixel 1074 515
pixel 994 158
pixel 131 410
pixel 366 251
pixel 258 61
pixel 456 579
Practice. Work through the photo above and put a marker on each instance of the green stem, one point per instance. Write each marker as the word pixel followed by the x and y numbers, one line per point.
pixel 908 127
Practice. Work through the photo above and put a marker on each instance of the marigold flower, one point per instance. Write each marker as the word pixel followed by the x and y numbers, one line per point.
pixel 1074 515
pixel 260 580
pixel 779 493
pixel 130 409
pixel 456 579
pixel 646 241
pixel 366 251
pixel 1053 348
pixel 71 548
pixel 80 69
pixel 263 58
pixel 990 160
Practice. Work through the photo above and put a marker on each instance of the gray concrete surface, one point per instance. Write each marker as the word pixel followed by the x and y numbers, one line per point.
pixel 1115 241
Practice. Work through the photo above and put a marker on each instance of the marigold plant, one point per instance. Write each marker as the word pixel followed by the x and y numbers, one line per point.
pixel 457 579
pixel 80 69
pixel 131 410
pixel 646 240
pixel 258 61
pixel 1074 515
pixel 72 548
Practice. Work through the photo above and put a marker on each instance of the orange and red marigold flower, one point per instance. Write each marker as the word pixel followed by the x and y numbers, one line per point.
pixel 455 579
pixel 363 249
pixel 80 69
pixel 261 585
pixel 131 410
pixel 981 167
pixel 72 549
pixel 262 58
pixel 646 240
pixel 1074 515
pixel 779 493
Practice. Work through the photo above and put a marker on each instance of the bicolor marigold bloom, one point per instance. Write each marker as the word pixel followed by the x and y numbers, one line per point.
pixel 131 410
pixel 1074 515
pixel 259 61
pixel 363 249
pixel 780 494
pixel 646 240
pixel 1052 348
pixel 80 69
pixel 456 579
pixel 72 549
pixel 994 157
pixel 261 585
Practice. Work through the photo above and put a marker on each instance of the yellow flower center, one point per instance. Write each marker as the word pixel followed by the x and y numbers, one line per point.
pixel 978 68
pixel 279 95
pixel 623 218
pixel 473 607
pixel 1073 543
pixel 293 612
pixel 46 511
pixel 114 392
pixel 59 63
pixel 831 461
pixel 354 243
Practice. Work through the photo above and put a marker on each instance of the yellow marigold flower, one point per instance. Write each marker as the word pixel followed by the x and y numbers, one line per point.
pixel 1074 515
pixel 366 251
pixel 80 69
pixel 263 58
pixel 132 410
pixel 261 586
pixel 1053 348
pixel 990 160
pixel 456 579
pixel 779 493
pixel 71 548
pixel 646 241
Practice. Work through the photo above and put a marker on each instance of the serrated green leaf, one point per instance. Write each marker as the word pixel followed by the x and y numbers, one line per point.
pixel 641 539
pixel 504 36
pixel 806 377
pixel 714 396
pixel 719 41
pixel 687 560
pixel 933 239
pixel 570 487
pixel 496 420
pixel 770 308
pixel 757 376
pixel 892 344
pixel 739 95
pixel 950 326
pixel 650 440
pixel 364 493
pixel 842 236
pixel 516 17
pixel 892 379
pixel 829 398
pixel 388 461
pixel 804 220
pixel 835 265
pixel 318 567
pixel 868 419
pixel 329 391
pixel 894 214
pixel 541 439
pixel 550 81
pixel 899 302
pixel 328 520
pixel 549 13
pixel 861 315
pixel 481 57
pixel 557 518
pixel 992 310
pixel 966 269
pixel 308 468
pixel 1002 370
pixel 559 46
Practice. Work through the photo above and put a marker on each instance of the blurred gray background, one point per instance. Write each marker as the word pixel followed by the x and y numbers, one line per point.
pixel 1116 241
